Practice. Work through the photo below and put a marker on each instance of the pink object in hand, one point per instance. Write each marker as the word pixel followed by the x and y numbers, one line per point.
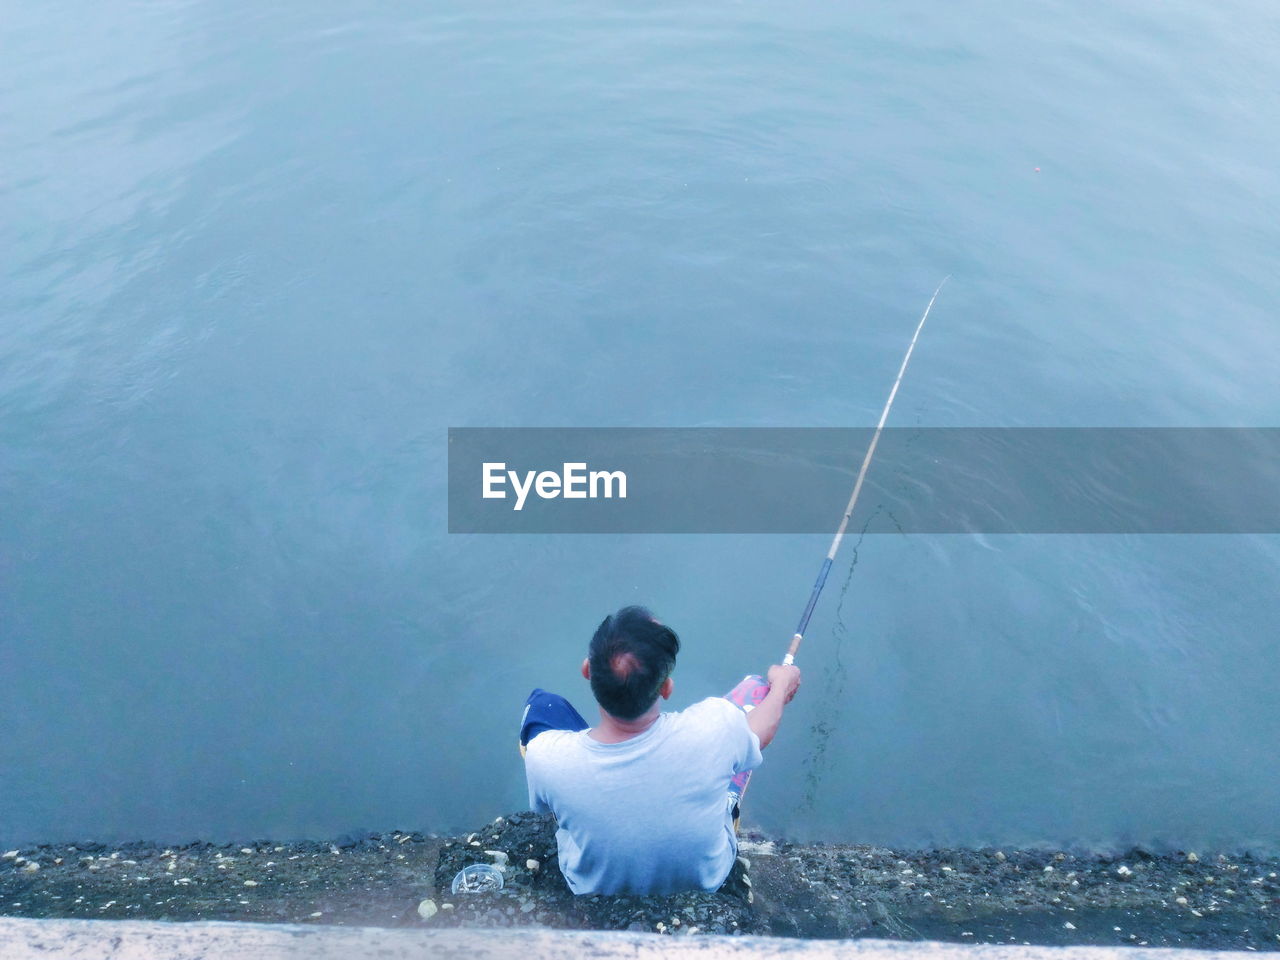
pixel 748 695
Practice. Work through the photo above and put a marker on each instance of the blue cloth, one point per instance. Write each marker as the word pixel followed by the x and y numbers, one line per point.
pixel 548 711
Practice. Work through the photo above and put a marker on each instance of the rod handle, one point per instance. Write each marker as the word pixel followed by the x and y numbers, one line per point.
pixel 790 658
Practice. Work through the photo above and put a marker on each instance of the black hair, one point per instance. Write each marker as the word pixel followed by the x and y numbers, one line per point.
pixel 631 655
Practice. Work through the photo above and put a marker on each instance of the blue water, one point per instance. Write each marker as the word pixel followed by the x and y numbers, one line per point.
pixel 257 258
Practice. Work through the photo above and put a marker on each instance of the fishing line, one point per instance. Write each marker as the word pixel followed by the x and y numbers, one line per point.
pixel 834 678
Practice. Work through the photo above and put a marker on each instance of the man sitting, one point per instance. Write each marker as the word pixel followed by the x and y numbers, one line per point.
pixel 645 800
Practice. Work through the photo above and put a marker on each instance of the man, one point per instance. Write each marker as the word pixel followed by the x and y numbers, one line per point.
pixel 643 800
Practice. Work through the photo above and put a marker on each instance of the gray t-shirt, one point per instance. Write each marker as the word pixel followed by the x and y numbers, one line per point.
pixel 650 814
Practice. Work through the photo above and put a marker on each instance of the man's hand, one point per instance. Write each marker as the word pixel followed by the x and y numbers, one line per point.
pixel 785 679
pixel 764 719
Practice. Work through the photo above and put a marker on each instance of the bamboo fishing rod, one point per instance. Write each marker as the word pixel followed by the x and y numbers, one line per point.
pixel 798 638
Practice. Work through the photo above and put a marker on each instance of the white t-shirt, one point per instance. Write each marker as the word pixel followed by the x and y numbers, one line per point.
pixel 650 814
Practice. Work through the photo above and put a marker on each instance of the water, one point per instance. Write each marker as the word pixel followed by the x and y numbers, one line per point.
pixel 258 259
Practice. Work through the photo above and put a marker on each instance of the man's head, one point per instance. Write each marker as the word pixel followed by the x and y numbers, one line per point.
pixel 629 662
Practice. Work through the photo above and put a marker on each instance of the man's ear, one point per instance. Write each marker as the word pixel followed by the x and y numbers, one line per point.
pixel 664 691
pixel 586 668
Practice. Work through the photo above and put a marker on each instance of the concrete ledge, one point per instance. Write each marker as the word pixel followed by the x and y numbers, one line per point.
pixel 25 939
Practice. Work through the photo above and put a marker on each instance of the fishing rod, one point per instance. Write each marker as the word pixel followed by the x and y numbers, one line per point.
pixel 796 640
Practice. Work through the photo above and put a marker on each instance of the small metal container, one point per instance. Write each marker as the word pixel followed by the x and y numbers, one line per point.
pixel 478 878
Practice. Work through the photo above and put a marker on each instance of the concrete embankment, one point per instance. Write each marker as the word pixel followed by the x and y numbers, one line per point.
pixel 24 939
pixel 1203 899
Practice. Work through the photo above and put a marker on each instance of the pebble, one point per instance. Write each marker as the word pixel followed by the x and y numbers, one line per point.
pixel 1192 858
pixel 1069 925
pixel 1123 871
pixel 251 883
pixel 532 865
pixel 427 909
pixel 9 855
pixel 1181 901
pixel 499 857
pixel 31 866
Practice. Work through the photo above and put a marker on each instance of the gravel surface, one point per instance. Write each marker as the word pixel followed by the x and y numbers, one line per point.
pixel 1181 899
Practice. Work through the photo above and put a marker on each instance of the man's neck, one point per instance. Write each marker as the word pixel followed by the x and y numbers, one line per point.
pixel 612 730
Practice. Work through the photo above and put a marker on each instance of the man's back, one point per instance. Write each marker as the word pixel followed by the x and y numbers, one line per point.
pixel 648 814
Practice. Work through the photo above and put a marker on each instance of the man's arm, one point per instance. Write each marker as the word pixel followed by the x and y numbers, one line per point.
pixel 764 719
